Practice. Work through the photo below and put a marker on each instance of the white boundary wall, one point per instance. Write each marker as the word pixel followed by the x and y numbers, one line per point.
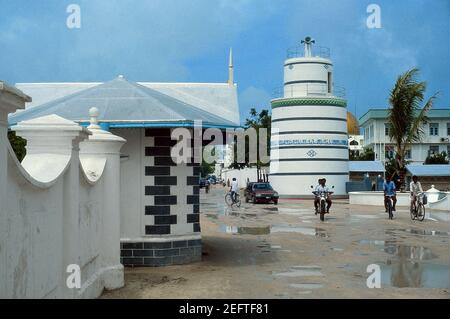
pixel 58 208
pixel 241 175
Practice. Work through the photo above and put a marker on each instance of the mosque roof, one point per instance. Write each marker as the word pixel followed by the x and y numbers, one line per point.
pixel 122 103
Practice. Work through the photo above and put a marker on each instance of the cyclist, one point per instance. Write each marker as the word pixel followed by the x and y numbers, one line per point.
pixel 234 189
pixel 322 188
pixel 415 188
pixel 389 190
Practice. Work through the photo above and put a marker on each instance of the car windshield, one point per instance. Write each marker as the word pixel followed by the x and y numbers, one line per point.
pixel 262 186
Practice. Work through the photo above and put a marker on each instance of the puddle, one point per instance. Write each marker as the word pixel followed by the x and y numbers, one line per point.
pixel 420 232
pixel 250 230
pixel 301 271
pixel 424 232
pixel 301 230
pixel 265 230
pixel 402 273
pixel 337 249
pixel 401 250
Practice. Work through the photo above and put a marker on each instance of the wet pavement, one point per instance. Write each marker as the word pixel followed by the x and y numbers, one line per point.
pixel 285 251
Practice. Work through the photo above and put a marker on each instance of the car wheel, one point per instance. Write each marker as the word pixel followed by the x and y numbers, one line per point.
pixel 275 202
pixel 254 200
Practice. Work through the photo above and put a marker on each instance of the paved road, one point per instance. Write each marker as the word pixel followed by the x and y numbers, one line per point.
pixel 285 251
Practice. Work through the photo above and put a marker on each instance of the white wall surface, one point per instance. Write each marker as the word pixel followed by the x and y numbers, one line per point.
pixel 48 224
pixel 240 175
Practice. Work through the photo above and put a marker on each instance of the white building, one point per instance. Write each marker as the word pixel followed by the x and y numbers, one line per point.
pixel 356 144
pixel 159 199
pixel 309 128
pixel 436 138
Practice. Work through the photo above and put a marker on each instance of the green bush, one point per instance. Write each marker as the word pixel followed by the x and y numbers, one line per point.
pixel 18 145
pixel 440 158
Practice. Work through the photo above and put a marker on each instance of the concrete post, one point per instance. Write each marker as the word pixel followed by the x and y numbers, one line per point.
pixel 104 145
pixel 53 149
pixel 11 100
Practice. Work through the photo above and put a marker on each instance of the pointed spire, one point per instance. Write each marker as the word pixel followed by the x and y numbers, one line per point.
pixel 231 68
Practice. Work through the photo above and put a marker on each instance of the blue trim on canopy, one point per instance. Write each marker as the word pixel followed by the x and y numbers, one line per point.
pixel 110 125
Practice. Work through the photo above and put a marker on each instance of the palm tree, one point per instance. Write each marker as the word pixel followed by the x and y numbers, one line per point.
pixel 406 116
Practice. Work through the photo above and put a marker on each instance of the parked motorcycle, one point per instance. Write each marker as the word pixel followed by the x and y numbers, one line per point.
pixel 323 197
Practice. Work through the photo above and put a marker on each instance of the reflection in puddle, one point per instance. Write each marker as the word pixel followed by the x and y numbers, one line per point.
pixel 400 250
pixel 256 230
pixel 407 267
pixel 421 232
pixel 404 273
pixel 427 232
pixel 302 230
pixel 265 230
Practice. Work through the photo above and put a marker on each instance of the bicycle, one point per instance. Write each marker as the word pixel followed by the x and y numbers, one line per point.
pixel 390 206
pixel 418 209
pixel 229 199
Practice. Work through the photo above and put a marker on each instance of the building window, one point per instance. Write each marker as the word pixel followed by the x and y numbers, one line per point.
pixel 387 128
pixel 448 129
pixel 408 154
pixel 448 151
pixel 389 152
pixel 434 149
pixel 371 133
pixel 434 129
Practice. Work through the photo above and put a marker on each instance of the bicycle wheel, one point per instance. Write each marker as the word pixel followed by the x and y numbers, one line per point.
pixel 413 213
pixel 238 201
pixel 390 208
pixel 228 199
pixel 421 212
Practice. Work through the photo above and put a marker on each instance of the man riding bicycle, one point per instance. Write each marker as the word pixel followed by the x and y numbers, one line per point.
pixel 234 189
pixel 322 188
pixel 415 188
pixel 389 191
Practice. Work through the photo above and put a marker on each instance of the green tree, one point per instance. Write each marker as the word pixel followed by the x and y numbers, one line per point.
pixel 18 145
pixel 406 116
pixel 206 169
pixel 440 158
pixel 256 120
pixel 367 155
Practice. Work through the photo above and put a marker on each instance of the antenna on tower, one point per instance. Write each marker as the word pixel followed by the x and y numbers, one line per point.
pixel 308 46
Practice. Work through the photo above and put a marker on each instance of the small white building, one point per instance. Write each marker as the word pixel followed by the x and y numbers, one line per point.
pixel 159 199
pixel 436 139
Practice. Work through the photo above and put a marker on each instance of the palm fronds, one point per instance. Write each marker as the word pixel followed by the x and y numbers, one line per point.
pixel 405 115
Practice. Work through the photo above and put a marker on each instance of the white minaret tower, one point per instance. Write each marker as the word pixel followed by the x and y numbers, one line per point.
pixel 231 68
pixel 309 128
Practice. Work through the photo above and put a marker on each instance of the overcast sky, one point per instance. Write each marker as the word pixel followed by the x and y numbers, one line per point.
pixel 188 41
